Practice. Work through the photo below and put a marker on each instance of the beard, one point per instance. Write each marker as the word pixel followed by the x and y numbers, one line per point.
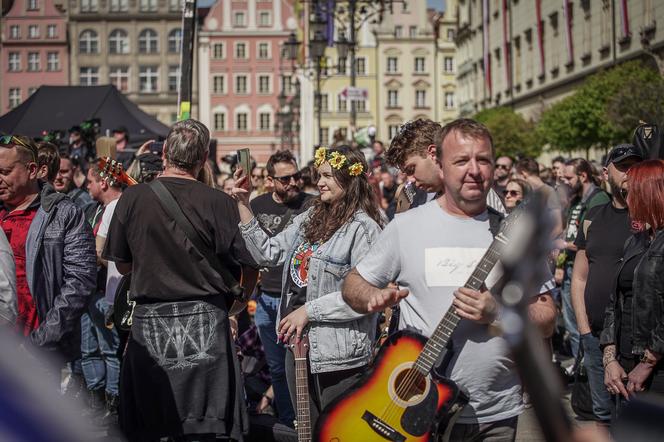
pixel 287 194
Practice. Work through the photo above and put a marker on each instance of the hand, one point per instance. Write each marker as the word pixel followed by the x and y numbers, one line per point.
pixel 233 323
pixel 295 322
pixel 145 147
pixel 242 189
pixel 637 378
pixel 387 297
pixel 263 405
pixel 477 306
pixel 614 375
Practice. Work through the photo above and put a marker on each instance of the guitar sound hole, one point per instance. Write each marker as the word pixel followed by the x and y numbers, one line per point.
pixel 409 385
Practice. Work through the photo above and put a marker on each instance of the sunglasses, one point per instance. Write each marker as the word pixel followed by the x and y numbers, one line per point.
pixel 514 193
pixel 287 179
pixel 8 140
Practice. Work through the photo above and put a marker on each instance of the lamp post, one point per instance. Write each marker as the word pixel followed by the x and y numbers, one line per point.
pixel 317 51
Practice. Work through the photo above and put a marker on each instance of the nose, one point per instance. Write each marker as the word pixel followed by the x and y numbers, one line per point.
pixel 474 167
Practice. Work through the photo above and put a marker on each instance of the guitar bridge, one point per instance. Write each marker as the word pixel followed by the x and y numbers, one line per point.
pixel 381 428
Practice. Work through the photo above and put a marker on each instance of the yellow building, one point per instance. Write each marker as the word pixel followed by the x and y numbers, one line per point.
pixel 446 102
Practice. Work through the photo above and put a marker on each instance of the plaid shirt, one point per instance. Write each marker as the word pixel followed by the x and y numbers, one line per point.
pixel 249 346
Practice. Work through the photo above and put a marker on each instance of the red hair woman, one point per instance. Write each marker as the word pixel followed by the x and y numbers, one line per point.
pixel 633 336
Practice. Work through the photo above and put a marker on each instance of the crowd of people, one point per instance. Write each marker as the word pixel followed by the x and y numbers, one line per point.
pixel 362 239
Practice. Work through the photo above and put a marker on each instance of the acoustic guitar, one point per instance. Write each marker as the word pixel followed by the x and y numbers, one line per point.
pixel 303 422
pixel 401 398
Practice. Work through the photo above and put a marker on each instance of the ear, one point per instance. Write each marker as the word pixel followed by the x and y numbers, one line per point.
pixel 431 152
pixel 104 185
pixel 605 173
pixel 33 170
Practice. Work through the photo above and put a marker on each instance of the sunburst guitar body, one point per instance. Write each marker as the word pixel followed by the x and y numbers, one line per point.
pixel 394 401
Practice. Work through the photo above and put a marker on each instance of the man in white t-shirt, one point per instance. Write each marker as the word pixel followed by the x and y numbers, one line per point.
pixel 430 251
pixel 99 344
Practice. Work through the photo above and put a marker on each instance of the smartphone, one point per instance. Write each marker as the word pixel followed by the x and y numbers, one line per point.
pixel 157 147
pixel 244 160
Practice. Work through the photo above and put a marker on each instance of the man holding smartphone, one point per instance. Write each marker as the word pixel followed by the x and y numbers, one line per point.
pixel 275 211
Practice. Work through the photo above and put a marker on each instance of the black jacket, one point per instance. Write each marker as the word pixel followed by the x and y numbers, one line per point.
pixel 648 296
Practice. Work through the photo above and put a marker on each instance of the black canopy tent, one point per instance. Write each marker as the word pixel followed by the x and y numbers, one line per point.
pixel 61 107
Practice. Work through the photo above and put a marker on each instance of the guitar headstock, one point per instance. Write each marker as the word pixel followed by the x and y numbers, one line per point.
pixel 113 172
pixel 299 349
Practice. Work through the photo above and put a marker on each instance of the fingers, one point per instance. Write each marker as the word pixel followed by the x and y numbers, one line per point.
pixel 386 298
pixel 620 389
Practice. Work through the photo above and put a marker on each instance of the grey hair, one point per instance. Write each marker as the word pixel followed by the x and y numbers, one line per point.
pixel 187 144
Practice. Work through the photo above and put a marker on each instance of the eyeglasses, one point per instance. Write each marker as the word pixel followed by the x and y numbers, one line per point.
pixel 286 179
pixel 8 140
pixel 513 193
pixel 502 166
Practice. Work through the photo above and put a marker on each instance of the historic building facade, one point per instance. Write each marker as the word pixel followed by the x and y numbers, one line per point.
pixel 33 49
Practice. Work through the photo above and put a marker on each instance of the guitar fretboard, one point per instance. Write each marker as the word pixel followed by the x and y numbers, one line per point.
pixel 302 399
pixel 443 332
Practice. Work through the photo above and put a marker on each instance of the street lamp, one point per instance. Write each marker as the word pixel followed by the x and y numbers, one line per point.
pixel 343 45
pixel 292 46
pixel 317 46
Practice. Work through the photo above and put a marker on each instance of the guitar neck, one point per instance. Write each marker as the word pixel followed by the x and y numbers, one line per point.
pixel 302 399
pixel 443 332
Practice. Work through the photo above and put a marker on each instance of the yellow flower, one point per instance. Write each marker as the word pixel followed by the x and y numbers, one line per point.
pixel 356 169
pixel 337 160
pixel 320 155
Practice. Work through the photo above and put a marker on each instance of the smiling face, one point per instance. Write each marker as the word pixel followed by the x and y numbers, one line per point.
pixel 468 168
pixel 329 188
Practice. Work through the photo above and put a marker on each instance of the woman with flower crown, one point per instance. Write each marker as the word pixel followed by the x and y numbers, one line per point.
pixel 318 249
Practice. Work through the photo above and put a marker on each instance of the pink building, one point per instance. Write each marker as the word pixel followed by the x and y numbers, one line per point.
pixel 239 72
pixel 33 48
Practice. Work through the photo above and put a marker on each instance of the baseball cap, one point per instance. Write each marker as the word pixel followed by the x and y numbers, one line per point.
pixel 621 152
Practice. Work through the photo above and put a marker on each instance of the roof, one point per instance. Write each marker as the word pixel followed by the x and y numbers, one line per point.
pixel 61 107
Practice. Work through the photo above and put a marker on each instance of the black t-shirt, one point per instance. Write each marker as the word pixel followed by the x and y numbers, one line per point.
pixel 625 292
pixel 165 265
pixel 274 217
pixel 609 229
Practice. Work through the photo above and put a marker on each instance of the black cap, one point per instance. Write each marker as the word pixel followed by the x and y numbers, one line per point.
pixel 121 130
pixel 622 152
pixel 75 129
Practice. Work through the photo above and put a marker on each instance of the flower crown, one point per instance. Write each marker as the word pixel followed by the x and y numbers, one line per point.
pixel 336 160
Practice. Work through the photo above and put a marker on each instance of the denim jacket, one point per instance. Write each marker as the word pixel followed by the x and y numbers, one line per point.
pixel 339 337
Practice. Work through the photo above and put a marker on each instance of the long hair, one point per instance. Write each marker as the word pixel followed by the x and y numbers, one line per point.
pixel 645 197
pixel 327 218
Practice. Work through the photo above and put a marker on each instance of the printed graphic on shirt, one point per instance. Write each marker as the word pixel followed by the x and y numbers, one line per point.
pixel 299 268
pixel 270 223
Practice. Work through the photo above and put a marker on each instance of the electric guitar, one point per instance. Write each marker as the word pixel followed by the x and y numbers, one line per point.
pixel 303 422
pixel 401 398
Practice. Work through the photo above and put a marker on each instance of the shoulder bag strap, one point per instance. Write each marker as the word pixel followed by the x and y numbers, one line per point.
pixel 175 211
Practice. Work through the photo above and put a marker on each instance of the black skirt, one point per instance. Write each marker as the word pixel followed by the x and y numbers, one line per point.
pixel 180 374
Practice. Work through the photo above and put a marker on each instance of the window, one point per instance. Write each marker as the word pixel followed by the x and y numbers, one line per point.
pixel 14 62
pixel 392 65
pixel 89 6
pixel 241 50
pixel 219 84
pixel 263 50
pixel 219 121
pixel 14 97
pixel 450 35
pixel 173 78
pixel 420 99
pixel 33 61
pixel 263 84
pixel 175 5
pixel 361 66
pixel 448 65
pixel 14 32
pixel 148 5
pixel 324 135
pixel 392 98
pixel 118 42
pixel 419 65
pixel 88 76
pixel 119 77
pixel 404 7
pixel 52 61
pixel 393 130
pixel 33 5
pixel 398 31
pixel 88 42
pixel 148 78
pixel 412 32
pixel 264 121
pixel 175 41
pixel 218 50
pixel 324 104
pixel 51 31
pixel 32 90
pixel 341 66
pixel 241 84
pixel 33 31
pixel 449 100
pixel 241 121
pixel 119 5
pixel 342 104
pixel 148 42
pixel 238 19
pixel 264 18
pixel 361 105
